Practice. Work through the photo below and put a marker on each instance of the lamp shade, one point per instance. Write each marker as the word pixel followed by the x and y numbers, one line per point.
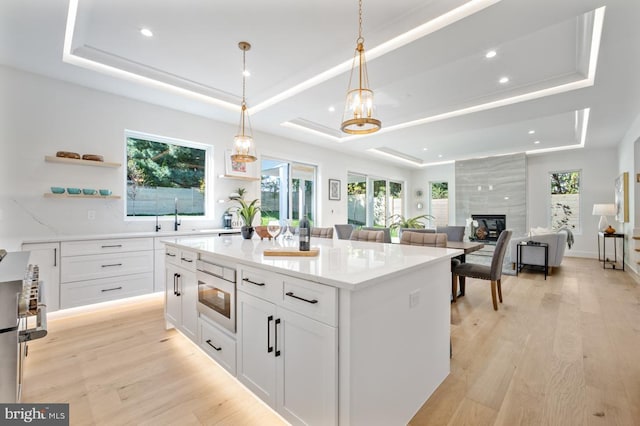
pixel 604 210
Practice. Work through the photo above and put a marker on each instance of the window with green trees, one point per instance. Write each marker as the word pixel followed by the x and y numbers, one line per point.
pixel 439 203
pixel 565 200
pixel 371 201
pixel 164 175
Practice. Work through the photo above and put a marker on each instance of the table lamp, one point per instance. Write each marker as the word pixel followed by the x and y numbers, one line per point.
pixel 604 210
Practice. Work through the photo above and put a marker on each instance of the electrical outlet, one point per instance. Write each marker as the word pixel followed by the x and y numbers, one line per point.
pixel 91 214
pixel 414 298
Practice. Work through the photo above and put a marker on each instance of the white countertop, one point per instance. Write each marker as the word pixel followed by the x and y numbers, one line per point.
pixel 167 234
pixel 345 264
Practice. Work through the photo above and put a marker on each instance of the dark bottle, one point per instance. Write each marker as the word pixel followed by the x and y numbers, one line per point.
pixel 305 233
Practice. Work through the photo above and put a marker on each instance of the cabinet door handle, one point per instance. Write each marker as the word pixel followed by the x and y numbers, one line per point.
pixel 252 282
pixel 290 294
pixel 269 347
pixel 171 254
pixel 175 284
pixel 276 329
pixel 113 246
pixel 112 264
pixel 178 293
pixel 212 345
pixel 111 289
pixel 186 260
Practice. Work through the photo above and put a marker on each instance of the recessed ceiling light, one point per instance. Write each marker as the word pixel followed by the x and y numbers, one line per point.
pixel 531 132
pixel 506 198
pixel 504 80
pixel 490 54
pixel 439 155
pixel 425 149
pixel 246 73
pixel 332 108
pixel 536 142
pixel 146 32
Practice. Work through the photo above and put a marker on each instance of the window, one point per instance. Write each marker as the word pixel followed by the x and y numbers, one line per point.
pixel 287 189
pixel 439 203
pixel 371 201
pixel 565 200
pixel 165 175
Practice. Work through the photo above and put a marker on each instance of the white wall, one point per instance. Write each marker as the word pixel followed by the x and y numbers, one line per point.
pixel 629 161
pixel 39 116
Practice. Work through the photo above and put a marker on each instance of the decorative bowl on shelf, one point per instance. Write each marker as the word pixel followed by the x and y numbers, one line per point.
pixel 87 191
pixel 73 191
pixel 57 190
pixel 92 157
pixel 68 154
pixel 105 192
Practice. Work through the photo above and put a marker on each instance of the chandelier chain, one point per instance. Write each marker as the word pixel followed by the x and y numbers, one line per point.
pixel 360 39
pixel 244 74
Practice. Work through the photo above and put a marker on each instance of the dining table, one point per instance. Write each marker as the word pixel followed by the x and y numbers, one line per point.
pixel 467 247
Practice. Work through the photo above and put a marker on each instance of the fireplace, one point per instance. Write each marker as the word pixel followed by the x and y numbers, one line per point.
pixel 488 228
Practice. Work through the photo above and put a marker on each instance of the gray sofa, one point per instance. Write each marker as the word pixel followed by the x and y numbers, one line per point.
pixel 557 245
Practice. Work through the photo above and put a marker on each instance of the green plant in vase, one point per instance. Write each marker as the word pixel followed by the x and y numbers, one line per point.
pixel 247 210
pixel 397 222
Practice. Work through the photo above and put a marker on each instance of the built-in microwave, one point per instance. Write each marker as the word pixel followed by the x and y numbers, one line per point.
pixel 217 293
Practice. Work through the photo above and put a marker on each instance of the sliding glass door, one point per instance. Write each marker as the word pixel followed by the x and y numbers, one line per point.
pixel 287 189
pixel 371 201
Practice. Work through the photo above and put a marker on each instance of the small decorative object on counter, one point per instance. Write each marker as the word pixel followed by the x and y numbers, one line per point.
pixel 610 230
pixel 246 211
pixel 304 232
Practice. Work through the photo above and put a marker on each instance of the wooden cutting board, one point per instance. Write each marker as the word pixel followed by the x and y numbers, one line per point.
pixel 288 251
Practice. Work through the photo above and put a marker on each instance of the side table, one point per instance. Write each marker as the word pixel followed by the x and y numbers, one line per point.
pixel 605 261
pixel 532 245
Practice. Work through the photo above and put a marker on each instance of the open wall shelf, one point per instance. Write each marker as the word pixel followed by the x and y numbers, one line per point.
pixel 51 195
pixel 52 159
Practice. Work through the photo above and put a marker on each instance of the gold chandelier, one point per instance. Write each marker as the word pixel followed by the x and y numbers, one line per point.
pixel 358 111
pixel 244 150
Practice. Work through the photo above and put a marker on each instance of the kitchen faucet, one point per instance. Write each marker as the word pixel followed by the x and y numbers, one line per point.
pixel 158 226
pixel 176 222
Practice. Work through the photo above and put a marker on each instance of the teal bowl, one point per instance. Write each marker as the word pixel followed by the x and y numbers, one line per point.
pixel 86 191
pixel 73 191
pixel 105 192
pixel 57 190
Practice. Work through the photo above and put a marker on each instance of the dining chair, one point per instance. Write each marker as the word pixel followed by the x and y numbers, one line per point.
pixel 322 232
pixel 343 231
pixel 387 232
pixel 454 233
pixel 365 235
pixel 491 273
pixel 423 239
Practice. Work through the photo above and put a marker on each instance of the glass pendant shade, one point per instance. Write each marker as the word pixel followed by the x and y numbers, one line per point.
pixel 358 117
pixel 244 150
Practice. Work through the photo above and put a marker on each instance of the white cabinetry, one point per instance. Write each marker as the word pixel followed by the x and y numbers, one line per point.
pixel 47 257
pixel 288 345
pixel 95 271
pixel 181 292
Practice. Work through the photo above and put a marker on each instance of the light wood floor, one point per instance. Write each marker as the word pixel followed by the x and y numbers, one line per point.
pixel 565 351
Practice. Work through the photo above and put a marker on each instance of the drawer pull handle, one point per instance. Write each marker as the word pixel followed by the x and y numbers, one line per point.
pixel 212 345
pixel 252 282
pixel 112 264
pixel 111 289
pixel 290 294
pixel 113 246
pixel 269 347
pixel 276 332
pixel 171 254
pixel 186 260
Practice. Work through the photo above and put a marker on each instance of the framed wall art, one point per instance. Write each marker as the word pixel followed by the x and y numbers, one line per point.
pixel 334 189
pixel 237 169
pixel 622 197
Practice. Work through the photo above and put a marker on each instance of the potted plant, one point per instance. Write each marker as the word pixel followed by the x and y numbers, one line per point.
pixel 246 210
pixel 398 222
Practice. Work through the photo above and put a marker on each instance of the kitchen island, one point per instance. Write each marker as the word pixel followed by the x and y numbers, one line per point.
pixel 360 331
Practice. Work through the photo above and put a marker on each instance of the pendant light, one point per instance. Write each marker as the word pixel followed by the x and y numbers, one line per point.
pixel 244 150
pixel 358 111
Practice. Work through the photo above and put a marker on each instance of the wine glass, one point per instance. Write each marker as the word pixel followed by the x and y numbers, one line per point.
pixel 273 228
pixel 288 235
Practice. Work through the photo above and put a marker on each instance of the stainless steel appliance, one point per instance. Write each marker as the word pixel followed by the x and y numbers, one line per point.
pixel 217 293
pixel 20 304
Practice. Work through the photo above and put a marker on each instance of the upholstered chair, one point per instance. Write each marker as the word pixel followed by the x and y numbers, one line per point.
pixel 343 231
pixel 363 235
pixel 491 273
pixel 421 230
pixel 387 232
pixel 321 232
pixel 423 239
pixel 454 233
